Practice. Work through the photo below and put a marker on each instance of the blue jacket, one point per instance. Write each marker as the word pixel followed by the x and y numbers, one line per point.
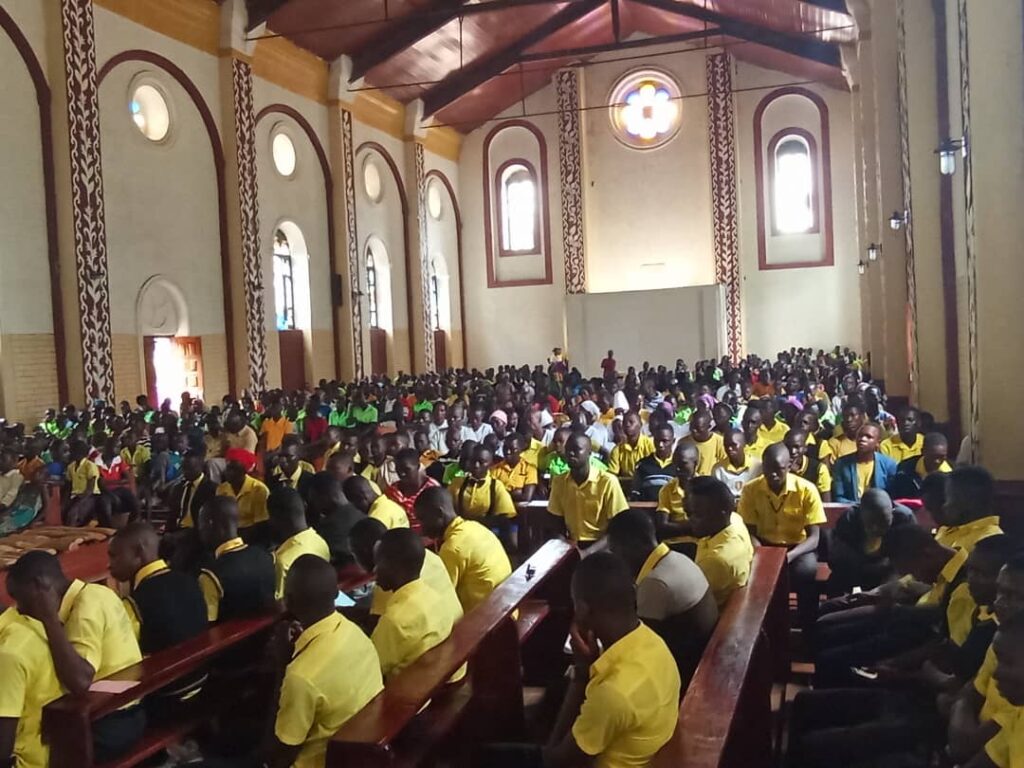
pixel 844 477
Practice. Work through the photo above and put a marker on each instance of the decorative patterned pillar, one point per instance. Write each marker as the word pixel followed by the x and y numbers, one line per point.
pixel 570 171
pixel 426 270
pixel 348 155
pixel 973 416
pixel 248 196
pixel 87 198
pixel 722 145
pixel 908 231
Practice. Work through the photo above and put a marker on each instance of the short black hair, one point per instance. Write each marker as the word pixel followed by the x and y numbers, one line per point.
pixel 632 528
pixel 285 502
pixel 710 486
pixel 604 582
pixel 404 546
pixel 979 483
pixel 999 547
pixel 33 565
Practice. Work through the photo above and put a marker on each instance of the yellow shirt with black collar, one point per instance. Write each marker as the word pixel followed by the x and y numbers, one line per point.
pixel 251 498
pixel 671 501
pixel 29 684
pixel 587 507
pixel 517 477
pixel 152 569
pixel 208 583
pixel 99 628
pixel 390 513
pixel 781 518
pixel 823 482
pixel 725 559
pixel 80 473
pixel 967 535
pixel 922 471
pixel 631 705
pixel 898 451
pixel 307 542
pixel 474 499
pixel 417 618
pixel 186 513
pixel 475 560
pixel 625 456
pixel 315 699
pixel 709 453
pixel 433 574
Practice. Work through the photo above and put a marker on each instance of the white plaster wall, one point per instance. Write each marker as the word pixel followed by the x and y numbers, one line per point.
pixel 818 306
pixel 443 244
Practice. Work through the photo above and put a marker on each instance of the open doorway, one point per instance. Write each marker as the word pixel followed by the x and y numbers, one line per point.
pixel 173 365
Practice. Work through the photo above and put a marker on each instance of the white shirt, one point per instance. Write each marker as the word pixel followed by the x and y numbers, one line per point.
pixel 438 436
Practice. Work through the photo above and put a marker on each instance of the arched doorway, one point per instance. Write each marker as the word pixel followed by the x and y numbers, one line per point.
pixel 440 309
pixel 172 360
pixel 292 308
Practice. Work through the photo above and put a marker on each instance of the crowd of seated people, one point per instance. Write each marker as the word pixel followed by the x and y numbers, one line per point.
pixel 251 506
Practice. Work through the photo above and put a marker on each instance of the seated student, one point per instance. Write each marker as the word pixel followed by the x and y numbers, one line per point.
pixel 655 471
pixel 416 617
pixel 166 607
pixel 633 447
pixel 289 470
pixel 250 493
pixel 518 475
pixel 739 468
pixel 724 551
pixel 84 477
pixel 774 427
pixel 330 513
pixel 372 450
pixel 239 582
pixel 1005 749
pixel 585 498
pixel 672 595
pixel 273 428
pixel 751 423
pixel 189 496
pixel 709 444
pixel 845 443
pixel 803 463
pixel 980 710
pixel 90 637
pixel 622 705
pixel 908 442
pixel 134 453
pixel 967 514
pixel 342 466
pixel 911 472
pixel 288 525
pixel 670 519
pixel 473 556
pixel 781 509
pixel 376 505
pixel 479 496
pixel 410 483
pixel 315 699
pixel 866 468
pixel 855 546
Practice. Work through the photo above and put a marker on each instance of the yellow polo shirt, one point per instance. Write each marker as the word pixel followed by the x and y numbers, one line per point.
pixel 316 698
pixel 475 560
pixel 515 478
pixel 823 482
pixel 433 574
pixel 755 450
pixel 783 518
pixel 252 500
pixel 671 499
pixel 29 684
pixel 896 449
pixel 841 446
pixel 99 628
pixel 473 498
pixel 995 707
pixel 138 458
pixel 587 508
pixel 274 431
pixel 725 559
pixel 947 576
pixel 307 542
pixel 919 468
pixel 388 512
pixel 775 433
pixel 631 705
pixel 532 454
pixel 625 457
pixel 80 473
pixel 417 618
pixel 1006 748
pixel 865 471
pixel 962 614
pixel 967 535
pixel 709 453
pixel 824 449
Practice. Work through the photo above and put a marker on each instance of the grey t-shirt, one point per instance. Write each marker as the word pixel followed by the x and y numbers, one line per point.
pixel 675 585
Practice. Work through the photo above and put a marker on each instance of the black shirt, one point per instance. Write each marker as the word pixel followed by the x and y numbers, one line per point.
pixel 244 575
pixel 334 528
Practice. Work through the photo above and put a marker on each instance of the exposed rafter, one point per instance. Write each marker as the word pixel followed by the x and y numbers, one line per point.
pixel 592 50
pixel 796 45
pixel 465 80
pixel 260 11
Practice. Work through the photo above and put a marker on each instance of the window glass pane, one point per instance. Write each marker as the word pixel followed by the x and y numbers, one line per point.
pixel 371 289
pixel 284 289
pixel 519 209
pixel 794 186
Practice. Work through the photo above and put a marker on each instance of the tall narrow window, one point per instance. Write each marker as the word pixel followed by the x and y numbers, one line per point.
pixel 371 289
pixel 518 209
pixel 284 285
pixel 793 193
pixel 435 301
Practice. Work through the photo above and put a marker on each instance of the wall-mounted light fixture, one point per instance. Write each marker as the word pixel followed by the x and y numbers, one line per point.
pixel 947 154
pixel 898 220
pixel 861 267
pixel 873 251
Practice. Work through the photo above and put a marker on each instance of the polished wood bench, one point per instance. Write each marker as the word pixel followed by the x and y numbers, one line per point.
pixel 725 718
pixel 393 731
pixel 67 722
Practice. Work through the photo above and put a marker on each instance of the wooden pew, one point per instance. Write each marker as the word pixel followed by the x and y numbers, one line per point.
pixel 392 731
pixel 67 721
pixel 725 718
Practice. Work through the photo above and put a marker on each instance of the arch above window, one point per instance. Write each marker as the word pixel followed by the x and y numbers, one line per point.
pixel 518 194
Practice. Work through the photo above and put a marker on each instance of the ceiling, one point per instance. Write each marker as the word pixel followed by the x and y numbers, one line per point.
pixel 469 60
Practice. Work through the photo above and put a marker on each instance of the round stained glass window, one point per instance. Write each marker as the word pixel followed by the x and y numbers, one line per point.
pixel 282 149
pixel 645 109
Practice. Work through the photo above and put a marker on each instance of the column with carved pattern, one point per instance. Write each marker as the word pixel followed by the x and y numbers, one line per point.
pixel 570 171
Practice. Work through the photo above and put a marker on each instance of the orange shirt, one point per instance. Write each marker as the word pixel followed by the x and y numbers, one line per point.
pixel 274 430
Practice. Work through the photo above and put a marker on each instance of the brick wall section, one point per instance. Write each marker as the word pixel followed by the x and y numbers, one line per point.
pixel 31 386
pixel 215 367
pixel 128 377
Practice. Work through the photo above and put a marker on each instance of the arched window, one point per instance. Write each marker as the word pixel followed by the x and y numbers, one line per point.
pixel 518 210
pixel 284 283
pixel 793 193
pixel 371 289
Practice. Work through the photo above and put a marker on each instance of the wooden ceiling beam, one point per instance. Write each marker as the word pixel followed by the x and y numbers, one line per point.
pixel 260 11
pixel 796 45
pixel 465 80
pixel 592 50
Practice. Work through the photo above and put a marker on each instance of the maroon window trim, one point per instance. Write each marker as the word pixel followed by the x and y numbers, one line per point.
pixel 499 199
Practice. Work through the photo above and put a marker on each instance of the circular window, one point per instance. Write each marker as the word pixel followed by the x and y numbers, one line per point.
pixel 371 180
pixel 645 108
pixel 434 201
pixel 283 150
pixel 150 113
